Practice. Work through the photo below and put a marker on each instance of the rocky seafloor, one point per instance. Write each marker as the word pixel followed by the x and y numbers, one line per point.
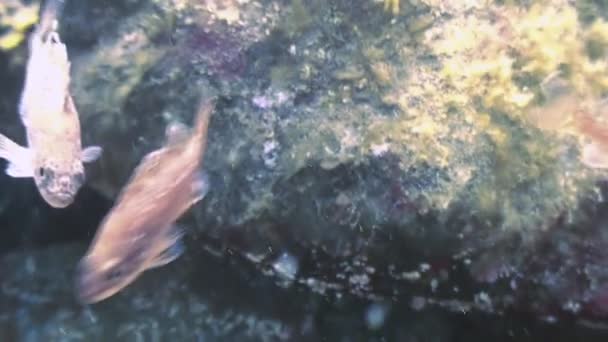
pixel 374 175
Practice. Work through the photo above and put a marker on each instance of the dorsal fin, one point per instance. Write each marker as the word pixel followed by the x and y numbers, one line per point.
pixel 201 124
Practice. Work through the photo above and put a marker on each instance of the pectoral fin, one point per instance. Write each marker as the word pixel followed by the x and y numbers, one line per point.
pixel 200 186
pixel 19 158
pixel 19 171
pixel 91 154
pixel 174 248
pixel 594 156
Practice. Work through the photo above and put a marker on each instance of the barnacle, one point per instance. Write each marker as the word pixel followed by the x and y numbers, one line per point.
pixel 391 5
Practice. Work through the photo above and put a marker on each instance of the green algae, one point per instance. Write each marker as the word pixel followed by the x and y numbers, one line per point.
pixel 591 10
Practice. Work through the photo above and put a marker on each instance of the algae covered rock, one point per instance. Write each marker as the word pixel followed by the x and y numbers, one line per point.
pixel 379 166
pixel 396 157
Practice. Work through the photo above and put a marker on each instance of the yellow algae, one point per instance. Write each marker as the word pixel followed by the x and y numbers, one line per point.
pixel 392 6
pixel 421 134
pixel 24 18
pixel 498 135
pixel 11 40
pixel 349 73
pixel 546 36
pixel 553 38
pixel 15 20
pixel 597 39
pixel 472 86
pixel 420 23
pixel 486 58
pixel 383 72
pixel 227 10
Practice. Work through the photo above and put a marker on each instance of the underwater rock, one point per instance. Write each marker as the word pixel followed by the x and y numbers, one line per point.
pixel 389 168
pixel 38 303
pixel 183 302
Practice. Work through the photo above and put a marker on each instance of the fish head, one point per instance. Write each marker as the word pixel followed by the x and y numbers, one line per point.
pixel 100 275
pixel 58 182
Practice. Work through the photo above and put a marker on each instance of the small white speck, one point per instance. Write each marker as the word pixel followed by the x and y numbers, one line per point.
pixel 434 284
pixel 262 102
pixel 484 300
pixel 30 265
pixel 571 306
pixel 286 266
pixel 550 319
pixel 414 275
pixel 360 280
pixel 380 149
pixel 270 155
pixel 418 303
pixel 375 315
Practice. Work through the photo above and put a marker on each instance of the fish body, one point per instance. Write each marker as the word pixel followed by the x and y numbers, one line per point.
pixel 139 231
pixel 594 153
pixel 566 110
pixel 54 155
pixel 561 102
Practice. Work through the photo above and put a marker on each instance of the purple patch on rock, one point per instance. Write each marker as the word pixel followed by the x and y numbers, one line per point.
pixel 223 53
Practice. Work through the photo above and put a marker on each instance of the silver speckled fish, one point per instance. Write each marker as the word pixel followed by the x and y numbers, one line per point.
pixel 54 156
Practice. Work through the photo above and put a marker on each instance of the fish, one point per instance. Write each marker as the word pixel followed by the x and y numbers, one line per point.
pixel 139 232
pixel 568 111
pixel 54 155
pixel 594 153
pixel 561 102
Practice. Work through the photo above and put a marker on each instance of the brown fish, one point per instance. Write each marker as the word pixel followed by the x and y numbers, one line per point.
pixel 54 156
pixel 594 154
pixel 139 232
pixel 561 102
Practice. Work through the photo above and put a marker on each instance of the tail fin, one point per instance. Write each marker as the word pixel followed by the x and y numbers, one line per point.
pixel 49 17
pixel 201 123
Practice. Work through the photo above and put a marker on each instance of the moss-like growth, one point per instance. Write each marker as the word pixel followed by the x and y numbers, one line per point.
pixel 590 10
pixel 498 65
pixel 15 20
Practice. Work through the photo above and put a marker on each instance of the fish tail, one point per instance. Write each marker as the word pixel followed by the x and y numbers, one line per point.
pixel 49 17
pixel 590 127
pixel 201 123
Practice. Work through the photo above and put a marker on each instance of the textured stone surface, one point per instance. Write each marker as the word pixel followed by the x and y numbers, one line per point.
pixel 38 304
pixel 223 299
